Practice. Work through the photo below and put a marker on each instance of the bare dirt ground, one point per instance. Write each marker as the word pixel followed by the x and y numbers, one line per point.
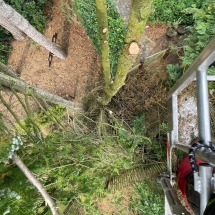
pixel 68 78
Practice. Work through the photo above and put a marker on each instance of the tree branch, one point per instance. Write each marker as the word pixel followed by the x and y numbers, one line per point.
pixel 140 12
pixel 36 183
pixel 21 23
pixel 17 33
pixel 27 89
pixel 101 11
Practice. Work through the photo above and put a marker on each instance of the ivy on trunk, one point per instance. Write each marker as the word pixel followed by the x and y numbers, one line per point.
pixel 140 12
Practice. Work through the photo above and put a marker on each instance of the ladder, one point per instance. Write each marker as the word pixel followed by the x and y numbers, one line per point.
pixel 203 178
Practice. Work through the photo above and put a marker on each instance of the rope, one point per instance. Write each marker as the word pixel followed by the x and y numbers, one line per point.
pixel 192 151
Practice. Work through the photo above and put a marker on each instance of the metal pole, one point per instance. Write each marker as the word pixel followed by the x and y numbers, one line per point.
pixel 205 174
pixel 172 104
pixel 203 105
pixel 204 154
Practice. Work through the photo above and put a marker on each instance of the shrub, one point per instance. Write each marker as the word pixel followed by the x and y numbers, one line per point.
pixel 200 33
pixel 174 73
pixel 171 11
pixel 148 200
pixel 152 149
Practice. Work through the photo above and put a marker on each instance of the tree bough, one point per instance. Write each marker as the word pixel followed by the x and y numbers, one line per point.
pixel 140 12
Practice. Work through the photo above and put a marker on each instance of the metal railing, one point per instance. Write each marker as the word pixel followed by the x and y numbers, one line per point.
pixel 203 181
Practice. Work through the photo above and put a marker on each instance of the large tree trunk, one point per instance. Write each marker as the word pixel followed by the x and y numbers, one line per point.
pixel 140 12
pixel 36 183
pixel 20 22
pixel 17 33
pixel 24 88
pixel 104 42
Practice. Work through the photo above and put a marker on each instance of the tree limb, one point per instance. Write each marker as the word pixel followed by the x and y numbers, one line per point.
pixel 21 23
pixel 17 33
pixel 36 183
pixel 101 11
pixel 6 70
pixel 140 12
pixel 27 89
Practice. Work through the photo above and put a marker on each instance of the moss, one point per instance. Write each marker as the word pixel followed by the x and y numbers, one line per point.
pixel 136 26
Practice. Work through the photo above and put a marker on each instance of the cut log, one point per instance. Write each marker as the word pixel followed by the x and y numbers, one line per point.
pixel 134 48
pixel 24 88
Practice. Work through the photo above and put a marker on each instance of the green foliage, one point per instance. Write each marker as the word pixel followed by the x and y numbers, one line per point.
pixel 152 148
pixel 41 118
pixel 7 197
pixel 174 72
pixel 71 165
pixel 5 47
pixel 3 128
pixel 80 166
pixel 33 12
pixel 211 85
pixel 87 12
pixel 171 10
pixel 19 195
pixel 200 33
pixel 149 199
pixel 138 124
pixel 4 142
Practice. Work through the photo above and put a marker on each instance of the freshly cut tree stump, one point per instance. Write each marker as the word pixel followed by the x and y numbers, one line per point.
pixel 134 48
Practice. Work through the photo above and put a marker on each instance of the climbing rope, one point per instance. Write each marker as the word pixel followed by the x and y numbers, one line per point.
pixel 192 151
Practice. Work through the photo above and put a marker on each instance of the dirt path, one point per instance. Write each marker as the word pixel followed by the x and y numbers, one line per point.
pixel 70 78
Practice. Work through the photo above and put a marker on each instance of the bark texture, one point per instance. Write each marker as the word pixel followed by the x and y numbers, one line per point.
pixel 140 12
pixel 36 183
pixel 17 33
pixel 24 88
pixel 21 23
pixel 6 70
pixel 101 10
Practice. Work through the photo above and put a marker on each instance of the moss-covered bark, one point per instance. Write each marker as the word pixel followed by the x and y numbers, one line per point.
pixel 101 10
pixel 140 12
pixel 6 70
pixel 22 87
